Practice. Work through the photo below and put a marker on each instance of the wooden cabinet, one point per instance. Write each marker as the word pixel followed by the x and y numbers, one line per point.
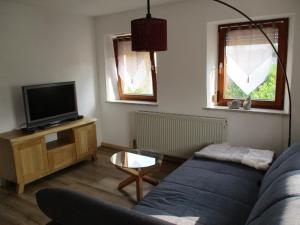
pixel 85 140
pixel 25 158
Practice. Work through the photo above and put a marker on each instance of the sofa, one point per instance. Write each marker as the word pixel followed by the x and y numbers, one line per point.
pixel 199 192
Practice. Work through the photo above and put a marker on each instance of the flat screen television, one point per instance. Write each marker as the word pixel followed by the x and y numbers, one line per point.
pixel 48 104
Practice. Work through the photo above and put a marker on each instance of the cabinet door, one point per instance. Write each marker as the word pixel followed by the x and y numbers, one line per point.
pixel 85 138
pixel 30 159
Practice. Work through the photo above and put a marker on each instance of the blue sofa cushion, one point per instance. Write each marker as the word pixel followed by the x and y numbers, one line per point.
pixel 284 187
pixel 289 160
pixel 284 212
pixel 281 183
pixel 204 192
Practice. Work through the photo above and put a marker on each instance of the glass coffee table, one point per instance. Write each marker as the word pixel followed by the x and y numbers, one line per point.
pixel 137 163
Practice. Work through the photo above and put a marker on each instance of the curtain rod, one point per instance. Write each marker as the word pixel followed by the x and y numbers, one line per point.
pixel 248 24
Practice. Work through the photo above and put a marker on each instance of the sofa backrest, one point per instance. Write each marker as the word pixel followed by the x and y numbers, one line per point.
pixel 285 212
pixel 279 196
pixel 287 161
pixel 67 207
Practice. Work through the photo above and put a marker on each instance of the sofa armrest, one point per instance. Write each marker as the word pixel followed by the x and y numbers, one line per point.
pixel 68 207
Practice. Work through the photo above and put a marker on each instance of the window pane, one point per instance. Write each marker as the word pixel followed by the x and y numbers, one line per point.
pixel 250 65
pixel 134 70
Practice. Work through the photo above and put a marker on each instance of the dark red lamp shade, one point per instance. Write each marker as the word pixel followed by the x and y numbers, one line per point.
pixel 149 34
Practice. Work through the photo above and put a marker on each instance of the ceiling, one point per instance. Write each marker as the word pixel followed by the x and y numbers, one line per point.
pixel 93 7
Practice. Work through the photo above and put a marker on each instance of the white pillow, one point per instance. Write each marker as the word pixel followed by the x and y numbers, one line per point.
pixel 256 158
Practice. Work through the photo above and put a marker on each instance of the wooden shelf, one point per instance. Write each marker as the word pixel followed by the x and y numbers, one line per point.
pixel 25 158
pixel 57 144
pixel 18 136
pixel 64 137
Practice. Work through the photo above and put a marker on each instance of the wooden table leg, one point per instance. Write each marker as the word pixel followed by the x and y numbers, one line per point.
pixel 137 175
pixel 150 180
pixel 127 181
pixel 139 188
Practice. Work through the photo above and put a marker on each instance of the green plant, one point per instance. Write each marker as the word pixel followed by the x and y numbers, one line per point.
pixel 266 91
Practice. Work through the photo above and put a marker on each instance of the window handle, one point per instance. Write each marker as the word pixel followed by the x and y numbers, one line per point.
pixel 220 67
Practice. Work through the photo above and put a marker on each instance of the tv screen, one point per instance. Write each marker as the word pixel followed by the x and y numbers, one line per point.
pixel 49 103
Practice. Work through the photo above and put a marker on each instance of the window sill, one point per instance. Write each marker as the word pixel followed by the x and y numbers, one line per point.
pixel 130 102
pixel 253 110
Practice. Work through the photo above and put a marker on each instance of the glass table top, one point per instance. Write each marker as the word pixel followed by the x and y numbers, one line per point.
pixel 136 159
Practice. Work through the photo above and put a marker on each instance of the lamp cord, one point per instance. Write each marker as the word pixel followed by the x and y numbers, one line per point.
pixel 148 9
pixel 279 60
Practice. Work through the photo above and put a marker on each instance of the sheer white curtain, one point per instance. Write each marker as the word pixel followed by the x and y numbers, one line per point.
pixel 134 69
pixel 112 93
pixel 249 57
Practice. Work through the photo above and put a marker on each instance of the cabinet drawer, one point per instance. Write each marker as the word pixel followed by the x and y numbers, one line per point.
pixel 62 157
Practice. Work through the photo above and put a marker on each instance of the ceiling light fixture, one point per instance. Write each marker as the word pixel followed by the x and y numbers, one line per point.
pixel 149 34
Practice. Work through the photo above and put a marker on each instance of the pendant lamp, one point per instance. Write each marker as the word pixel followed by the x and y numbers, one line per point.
pixel 149 34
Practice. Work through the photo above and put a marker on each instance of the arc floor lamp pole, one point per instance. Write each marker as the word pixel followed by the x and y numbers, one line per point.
pixel 279 60
pixel 150 34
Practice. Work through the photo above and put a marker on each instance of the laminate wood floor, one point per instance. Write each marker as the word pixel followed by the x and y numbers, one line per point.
pixel 96 178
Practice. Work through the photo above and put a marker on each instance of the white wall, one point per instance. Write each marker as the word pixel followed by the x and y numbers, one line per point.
pixel 40 46
pixel 182 71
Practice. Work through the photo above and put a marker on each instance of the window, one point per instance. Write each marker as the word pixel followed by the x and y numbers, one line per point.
pixel 136 71
pixel 248 64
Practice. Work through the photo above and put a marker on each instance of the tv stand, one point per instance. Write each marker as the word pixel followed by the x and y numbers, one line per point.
pixel 28 157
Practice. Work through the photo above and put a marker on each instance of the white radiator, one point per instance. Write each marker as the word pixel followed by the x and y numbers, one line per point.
pixel 177 135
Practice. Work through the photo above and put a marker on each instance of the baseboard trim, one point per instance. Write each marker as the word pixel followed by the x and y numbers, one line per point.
pixel 122 148
pixel 114 147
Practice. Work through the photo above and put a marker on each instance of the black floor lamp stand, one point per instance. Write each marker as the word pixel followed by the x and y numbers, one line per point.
pixel 279 60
